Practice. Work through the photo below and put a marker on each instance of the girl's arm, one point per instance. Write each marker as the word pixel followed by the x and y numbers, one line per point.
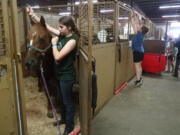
pixel 135 22
pixel 59 55
pixel 35 18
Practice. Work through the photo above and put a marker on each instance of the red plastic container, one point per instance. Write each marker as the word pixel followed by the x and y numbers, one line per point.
pixel 154 63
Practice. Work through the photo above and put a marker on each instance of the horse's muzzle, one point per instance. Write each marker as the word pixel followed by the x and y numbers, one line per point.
pixel 30 64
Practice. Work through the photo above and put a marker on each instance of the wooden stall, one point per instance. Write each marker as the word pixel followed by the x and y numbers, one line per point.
pixel 105 31
pixel 83 81
pixel 12 116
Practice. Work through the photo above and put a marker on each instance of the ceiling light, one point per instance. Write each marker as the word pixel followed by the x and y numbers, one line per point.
pixel 123 18
pixel 36 6
pixel 173 21
pixel 124 4
pixel 64 13
pixel 168 16
pixel 106 10
pixel 84 2
pixel 172 6
pixel 175 24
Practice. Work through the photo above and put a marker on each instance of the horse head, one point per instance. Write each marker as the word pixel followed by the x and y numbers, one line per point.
pixel 39 45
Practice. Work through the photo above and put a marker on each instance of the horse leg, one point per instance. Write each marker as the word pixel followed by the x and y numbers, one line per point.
pixel 52 96
pixel 40 84
pixel 49 110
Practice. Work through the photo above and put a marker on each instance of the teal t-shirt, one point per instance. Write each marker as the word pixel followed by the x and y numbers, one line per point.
pixel 64 69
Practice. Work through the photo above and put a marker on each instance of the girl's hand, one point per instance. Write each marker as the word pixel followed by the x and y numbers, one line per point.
pixel 55 40
pixel 29 10
pixel 132 13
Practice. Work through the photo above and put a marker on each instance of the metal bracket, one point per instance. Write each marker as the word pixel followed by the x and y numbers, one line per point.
pixel 3 70
pixel 19 57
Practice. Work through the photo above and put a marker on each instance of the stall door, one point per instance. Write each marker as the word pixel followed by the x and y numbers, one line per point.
pixel 11 117
pixel 121 65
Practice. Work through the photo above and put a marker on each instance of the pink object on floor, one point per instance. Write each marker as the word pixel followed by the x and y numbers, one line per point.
pixel 122 86
pixel 76 132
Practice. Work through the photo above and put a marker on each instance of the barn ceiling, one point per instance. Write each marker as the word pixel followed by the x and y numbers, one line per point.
pixel 152 11
pixel 149 7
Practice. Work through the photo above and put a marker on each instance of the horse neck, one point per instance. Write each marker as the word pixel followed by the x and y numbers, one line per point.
pixel 48 59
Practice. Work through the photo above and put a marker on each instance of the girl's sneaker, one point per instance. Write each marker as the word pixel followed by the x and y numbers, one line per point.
pixel 138 82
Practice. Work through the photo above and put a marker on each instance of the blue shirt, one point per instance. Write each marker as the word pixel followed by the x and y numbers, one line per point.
pixel 137 42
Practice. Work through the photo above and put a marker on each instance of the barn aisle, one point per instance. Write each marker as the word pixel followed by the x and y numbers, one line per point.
pixel 152 109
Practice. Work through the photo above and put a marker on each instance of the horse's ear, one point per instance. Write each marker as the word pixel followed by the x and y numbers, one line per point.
pixel 42 22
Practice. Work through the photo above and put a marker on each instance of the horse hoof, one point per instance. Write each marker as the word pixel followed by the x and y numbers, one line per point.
pixel 50 115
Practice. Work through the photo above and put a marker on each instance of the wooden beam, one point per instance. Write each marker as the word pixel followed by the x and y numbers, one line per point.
pixel 17 56
pixel 90 34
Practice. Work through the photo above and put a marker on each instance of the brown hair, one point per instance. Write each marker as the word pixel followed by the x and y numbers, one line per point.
pixel 68 21
pixel 144 30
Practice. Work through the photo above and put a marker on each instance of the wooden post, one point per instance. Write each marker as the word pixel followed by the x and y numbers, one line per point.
pixel 90 19
pixel 116 31
pixel 18 59
pixel 8 116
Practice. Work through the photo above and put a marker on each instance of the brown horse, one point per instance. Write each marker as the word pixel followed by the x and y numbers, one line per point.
pixel 40 54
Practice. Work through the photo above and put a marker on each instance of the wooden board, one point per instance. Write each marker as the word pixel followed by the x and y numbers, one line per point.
pixel 154 46
pixel 11 81
pixel 105 68
pixel 83 94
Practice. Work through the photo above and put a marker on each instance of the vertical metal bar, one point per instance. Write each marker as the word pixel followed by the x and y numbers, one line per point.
pixel 17 99
pixel 166 32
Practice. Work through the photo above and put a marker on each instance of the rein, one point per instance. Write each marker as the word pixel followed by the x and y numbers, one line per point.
pixel 49 97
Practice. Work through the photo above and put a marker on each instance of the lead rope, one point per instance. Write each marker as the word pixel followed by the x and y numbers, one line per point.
pixel 47 92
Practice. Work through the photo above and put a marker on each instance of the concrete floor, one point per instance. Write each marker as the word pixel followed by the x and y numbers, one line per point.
pixel 152 109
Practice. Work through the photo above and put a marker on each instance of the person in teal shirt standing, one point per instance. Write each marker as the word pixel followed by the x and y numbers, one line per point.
pixel 64 51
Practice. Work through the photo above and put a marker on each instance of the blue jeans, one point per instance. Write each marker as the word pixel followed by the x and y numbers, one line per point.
pixel 67 106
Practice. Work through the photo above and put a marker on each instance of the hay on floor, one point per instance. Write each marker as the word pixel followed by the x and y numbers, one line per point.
pixel 36 109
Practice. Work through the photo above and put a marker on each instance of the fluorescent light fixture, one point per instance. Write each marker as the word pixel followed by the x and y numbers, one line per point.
pixel 170 16
pixel 77 2
pixel 36 6
pixel 124 4
pixel 172 21
pixel 64 13
pixel 84 2
pixel 175 24
pixel 106 10
pixel 123 18
pixel 172 6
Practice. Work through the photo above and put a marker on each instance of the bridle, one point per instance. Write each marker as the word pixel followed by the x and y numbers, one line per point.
pixel 31 46
pixel 41 51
